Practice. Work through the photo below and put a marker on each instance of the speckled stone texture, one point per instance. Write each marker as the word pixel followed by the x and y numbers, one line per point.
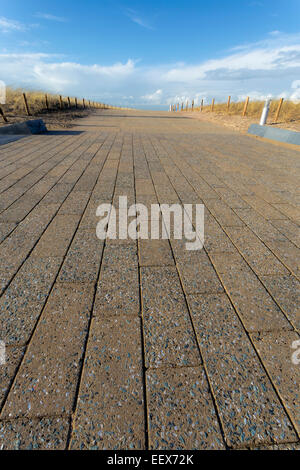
pixel 276 351
pixel 181 410
pixel 46 382
pixel 34 434
pixel 110 411
pixel 169 336
pixel 142 344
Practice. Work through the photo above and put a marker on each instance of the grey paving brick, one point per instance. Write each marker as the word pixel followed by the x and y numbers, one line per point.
pixel 169 337
pixel 181 411
pixel 110 408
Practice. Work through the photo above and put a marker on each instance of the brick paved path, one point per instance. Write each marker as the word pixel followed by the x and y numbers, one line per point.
pixel 125 345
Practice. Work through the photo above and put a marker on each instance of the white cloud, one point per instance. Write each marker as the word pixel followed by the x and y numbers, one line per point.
pixel 135 17
pixel 266 68
pixel 48 16
pixel 154 98
pixel 7 25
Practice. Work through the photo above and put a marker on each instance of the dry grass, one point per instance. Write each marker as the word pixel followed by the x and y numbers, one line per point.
pixel 290 112
pixel 54 118
pixel 36 101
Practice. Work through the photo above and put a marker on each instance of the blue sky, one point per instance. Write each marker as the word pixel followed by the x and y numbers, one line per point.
pixel 151 54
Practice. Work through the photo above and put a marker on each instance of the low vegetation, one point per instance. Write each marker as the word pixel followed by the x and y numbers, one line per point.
pixel 36 101
pixel 289 112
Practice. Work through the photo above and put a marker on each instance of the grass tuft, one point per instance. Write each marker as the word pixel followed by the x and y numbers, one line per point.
pixel 290 111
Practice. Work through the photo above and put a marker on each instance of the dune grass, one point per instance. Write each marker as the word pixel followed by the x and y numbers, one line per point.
pixel 37 102
pixel 290 111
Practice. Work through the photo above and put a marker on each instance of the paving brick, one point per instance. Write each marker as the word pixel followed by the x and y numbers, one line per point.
pixel 290 211
pixel 155 253
pixel 286 292
pixel 223 213
pixel 214 317
pixel 292 446
pixel 144 187
pixel 181 411
pixel 169 337
pixel 260 226
pixel 6 229
pixel 289 230
pixel 13 358
pixel 255 306
pixel 110 408
pixel 248 407
pixel 216 240
pixel 259 257
pixel 36 222
pixel 264 208
pixel 288 253
pixel 34 434
pixel 57 194
pixel 56 239
pixel 17 211
pixel 118 287
pixel 231 198
pixel 276 351
pixel 196 270
pixel 82 262
pixel 47 379
pixel 23 300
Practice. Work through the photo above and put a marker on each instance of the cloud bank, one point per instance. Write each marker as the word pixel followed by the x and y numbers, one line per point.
pixel 270 68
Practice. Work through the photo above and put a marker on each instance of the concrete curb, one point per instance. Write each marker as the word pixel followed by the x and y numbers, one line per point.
pixel 35 126
pixel 273 133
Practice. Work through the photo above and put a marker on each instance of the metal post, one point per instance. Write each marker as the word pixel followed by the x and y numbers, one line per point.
pixel 265 112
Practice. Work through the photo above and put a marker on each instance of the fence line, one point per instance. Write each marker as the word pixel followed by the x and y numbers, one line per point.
pixel 61 103
pixel 211 107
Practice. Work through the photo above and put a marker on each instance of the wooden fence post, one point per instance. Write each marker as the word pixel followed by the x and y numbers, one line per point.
pixel 47 103
pixel 83 103
pixel 61 102
pixel 201 107
pixel 245 106
pixel 182 106
pixel 26 104
pixel 76 103
pixel 228 103
pixel 69 102
pixel 212 105
pixel 278 109
pixel 187 105
pixel 3 115
pixel 193 105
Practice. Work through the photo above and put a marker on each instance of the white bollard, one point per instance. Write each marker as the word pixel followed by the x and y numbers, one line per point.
pixel 265 112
